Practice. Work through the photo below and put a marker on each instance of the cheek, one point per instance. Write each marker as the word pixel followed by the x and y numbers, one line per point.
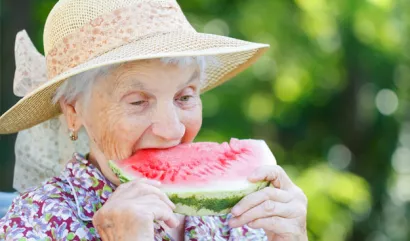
pixel 115 133
pixel 192 122
pixel 103 133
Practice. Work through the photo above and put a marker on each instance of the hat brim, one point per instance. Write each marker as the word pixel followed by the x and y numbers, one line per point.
pixel 233 56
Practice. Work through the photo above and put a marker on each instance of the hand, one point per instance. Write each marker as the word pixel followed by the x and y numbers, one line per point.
pixel 279 210
pixel 130 212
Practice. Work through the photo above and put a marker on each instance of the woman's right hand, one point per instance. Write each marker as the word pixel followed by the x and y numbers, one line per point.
pixel 130 212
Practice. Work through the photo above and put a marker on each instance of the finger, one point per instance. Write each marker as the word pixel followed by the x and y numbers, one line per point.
pixel 277 225
pixel 275 174
pixel 138 189
pixel 256 198
pixel 104 230
pixel 267 209
pixel 123 190
pixel 148 189
pixel 137 182
pixel 104 235
pixel 151 182
pixel 148 199
pixel 161 211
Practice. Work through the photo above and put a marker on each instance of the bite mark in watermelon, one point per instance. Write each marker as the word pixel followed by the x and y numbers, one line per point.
pixel 202 178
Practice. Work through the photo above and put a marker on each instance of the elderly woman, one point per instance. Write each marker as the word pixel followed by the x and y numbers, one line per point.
pixel 130 73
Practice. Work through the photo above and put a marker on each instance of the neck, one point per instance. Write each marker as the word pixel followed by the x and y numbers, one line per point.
pixel 98 160
pixel 91 157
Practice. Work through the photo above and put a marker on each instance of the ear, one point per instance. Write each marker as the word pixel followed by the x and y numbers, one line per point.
pixel 71 115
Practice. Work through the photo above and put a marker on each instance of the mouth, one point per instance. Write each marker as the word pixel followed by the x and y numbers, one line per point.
pixel 156 147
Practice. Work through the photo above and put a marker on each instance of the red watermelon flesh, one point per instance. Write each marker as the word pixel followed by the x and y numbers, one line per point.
pixel 199 163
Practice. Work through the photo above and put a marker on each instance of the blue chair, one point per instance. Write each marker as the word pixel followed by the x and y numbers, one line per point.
pixel 5 201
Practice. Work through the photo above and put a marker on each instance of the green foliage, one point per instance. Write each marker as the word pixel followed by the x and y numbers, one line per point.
pixel 335 199
pixel 316 99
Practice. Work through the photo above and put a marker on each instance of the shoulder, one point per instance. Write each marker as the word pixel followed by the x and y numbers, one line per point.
pixel 47 212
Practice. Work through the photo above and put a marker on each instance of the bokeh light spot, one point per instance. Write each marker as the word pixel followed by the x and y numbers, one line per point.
pixel 259 107
pixel 311 5
pixel 401 160
pixel 365 29
pixel 287 88
pixel 339 156
pixel 335 232
pixel 217 26
pixel 390 35
pixel 402 188
pixel 264 68
pixel 405 135
pixel 387 101
pixel 385 4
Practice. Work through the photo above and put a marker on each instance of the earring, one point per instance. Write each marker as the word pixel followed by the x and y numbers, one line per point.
pixel 73 135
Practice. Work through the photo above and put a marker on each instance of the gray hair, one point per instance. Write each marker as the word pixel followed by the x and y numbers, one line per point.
pixel 81 84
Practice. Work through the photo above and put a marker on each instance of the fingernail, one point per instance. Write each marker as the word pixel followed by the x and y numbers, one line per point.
pixel 158 183
pixel 235 211
pixel 152 182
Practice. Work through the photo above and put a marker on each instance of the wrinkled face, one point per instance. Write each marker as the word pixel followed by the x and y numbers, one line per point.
pixel 144 104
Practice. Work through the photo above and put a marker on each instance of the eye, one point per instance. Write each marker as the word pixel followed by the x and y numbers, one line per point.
pixel 185 98
pixel 138 103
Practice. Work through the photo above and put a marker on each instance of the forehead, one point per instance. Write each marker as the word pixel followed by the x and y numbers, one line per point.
pixel 152 75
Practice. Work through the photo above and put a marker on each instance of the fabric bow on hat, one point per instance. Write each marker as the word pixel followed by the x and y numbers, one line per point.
pixel 31 69
pixel 41 151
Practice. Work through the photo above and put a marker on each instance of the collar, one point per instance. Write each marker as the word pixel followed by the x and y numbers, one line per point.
pixel 88 186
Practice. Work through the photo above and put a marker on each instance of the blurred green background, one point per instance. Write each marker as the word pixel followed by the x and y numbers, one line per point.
pixel 331 98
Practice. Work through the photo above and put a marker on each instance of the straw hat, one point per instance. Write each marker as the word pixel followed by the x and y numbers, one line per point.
pixel 81 35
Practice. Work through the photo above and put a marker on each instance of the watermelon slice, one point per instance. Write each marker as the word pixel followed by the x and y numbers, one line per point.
pixel 202 178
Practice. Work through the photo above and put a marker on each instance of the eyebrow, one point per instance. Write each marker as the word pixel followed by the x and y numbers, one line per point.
pixel 193 77
pixel 135 85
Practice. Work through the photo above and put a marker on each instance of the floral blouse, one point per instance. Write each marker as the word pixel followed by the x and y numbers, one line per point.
pixel 62 209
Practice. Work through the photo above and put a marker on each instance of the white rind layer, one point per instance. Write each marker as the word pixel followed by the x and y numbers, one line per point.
pixel 215 186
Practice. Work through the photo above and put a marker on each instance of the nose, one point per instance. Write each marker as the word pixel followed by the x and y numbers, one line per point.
pixel 167 124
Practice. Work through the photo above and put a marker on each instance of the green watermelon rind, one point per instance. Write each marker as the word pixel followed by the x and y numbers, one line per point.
pixel 211 203
pixel 119 173
pixel 200 203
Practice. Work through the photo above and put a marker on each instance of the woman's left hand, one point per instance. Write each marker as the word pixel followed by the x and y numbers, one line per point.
pixel 279 210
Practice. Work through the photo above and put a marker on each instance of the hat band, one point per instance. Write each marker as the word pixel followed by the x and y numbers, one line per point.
pixel 114 29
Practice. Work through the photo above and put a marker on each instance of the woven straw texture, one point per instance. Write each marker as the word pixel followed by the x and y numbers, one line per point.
pixel 69 15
